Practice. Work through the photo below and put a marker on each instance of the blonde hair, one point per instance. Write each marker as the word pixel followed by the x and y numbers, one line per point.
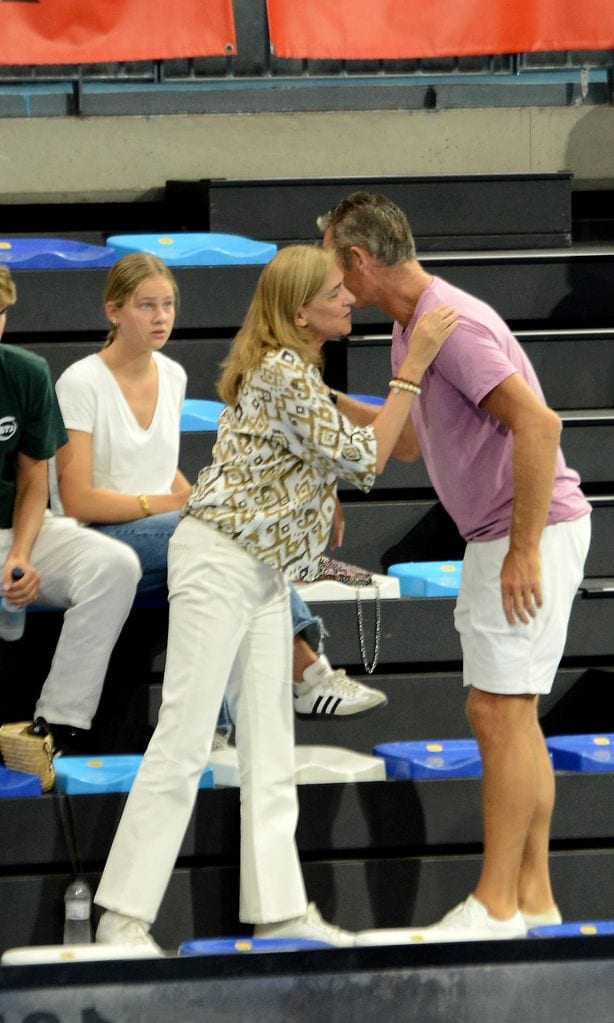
pixel 127 274
pixel 293 278
pixel 8 291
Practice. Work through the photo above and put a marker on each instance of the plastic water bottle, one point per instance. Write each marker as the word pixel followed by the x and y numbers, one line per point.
pixel 77 914
pixel 12 618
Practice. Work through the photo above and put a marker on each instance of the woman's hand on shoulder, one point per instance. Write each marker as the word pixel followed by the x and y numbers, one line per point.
pixel 428 336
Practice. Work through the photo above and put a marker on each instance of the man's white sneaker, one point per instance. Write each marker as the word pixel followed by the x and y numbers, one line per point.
pixel 471 921
pixel 116 929
pixel 311 926
pixel 545 919
pixel 335 695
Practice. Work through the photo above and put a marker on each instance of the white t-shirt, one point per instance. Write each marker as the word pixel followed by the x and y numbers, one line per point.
pixel 125 457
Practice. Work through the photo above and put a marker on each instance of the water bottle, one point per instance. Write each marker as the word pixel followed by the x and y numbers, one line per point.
pixel 77 914
pixel 12 618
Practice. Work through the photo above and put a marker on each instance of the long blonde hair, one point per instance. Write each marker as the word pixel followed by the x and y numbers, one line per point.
pixel 8 291
pixel 126 275
pixel 293 278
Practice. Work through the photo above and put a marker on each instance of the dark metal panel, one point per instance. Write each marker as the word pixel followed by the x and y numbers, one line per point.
pixel 485 211
pixel 532 981
pixel 571 289
pixel 418 631
pixel 590 450
pixel 374 527
pixel 337 819
pixel 54 302
pixel 31 832
pixel 576 372
pixel 223 96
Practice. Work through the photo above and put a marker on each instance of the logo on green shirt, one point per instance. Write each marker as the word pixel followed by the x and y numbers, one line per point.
pixel 8 427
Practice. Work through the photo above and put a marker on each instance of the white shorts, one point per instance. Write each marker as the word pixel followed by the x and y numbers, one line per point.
pixel 518 659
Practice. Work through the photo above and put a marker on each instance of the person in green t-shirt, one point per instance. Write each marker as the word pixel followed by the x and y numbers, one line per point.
pixel 62 564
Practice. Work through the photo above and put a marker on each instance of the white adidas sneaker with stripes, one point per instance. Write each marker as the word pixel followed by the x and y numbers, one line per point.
pixel 335 695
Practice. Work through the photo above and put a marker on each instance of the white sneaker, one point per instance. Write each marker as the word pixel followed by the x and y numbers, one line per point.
pixel 471 921
pixel 335 695
pixel 310 926
pixel 116 929
pixel 545 919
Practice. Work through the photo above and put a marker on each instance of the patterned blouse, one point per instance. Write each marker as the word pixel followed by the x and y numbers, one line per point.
pixel 272 483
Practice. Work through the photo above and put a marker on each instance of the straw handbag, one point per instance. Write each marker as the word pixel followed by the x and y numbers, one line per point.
pixel 30 753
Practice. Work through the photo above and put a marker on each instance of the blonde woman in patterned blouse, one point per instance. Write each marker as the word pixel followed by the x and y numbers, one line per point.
pixel 260 514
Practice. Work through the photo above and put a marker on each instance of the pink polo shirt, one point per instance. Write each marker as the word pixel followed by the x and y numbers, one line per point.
pixel 468 453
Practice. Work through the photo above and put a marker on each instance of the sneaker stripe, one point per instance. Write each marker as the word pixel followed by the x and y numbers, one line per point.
pixel 326 705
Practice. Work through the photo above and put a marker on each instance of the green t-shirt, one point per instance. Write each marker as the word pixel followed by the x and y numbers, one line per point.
pixel 30 419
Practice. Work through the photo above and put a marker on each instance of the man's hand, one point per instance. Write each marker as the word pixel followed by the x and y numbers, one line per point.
pixel 521 590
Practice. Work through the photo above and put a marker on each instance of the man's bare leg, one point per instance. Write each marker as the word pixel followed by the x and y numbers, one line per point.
pixel 512 758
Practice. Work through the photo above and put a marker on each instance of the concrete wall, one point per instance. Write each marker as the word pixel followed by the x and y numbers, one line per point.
pixel 124 158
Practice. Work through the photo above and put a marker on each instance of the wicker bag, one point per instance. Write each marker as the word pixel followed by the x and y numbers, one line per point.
pixel 32 754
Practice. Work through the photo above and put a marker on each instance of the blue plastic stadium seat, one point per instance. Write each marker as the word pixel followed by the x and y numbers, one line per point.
pixel 199 414
pixel 53 254
pixel 370 399
pixel 246 946
pixel 428 578
pixel 433 758
pixel 582 752
pixel 195 249
pixel 76 775
pixel 577 929
pixel 18 783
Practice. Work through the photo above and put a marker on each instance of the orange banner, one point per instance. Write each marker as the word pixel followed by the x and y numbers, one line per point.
pixel 94 31
pixel 394 29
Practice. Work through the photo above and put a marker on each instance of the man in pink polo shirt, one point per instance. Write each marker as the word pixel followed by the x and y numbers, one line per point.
pixel 491 447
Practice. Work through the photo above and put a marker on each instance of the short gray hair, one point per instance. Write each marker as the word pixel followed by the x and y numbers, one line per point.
pixel 374 223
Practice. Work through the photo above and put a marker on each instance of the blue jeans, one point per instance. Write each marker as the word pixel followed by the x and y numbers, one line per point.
pixel 304 622
pixel 149 538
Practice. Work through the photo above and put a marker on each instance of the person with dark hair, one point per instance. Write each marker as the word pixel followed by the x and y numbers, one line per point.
pixel 260 513
pixel 62 565
pixel 491 447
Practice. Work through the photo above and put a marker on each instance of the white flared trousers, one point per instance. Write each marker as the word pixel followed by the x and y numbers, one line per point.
pixel 229 623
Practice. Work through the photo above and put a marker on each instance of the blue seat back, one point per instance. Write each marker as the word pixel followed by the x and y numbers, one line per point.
pixel 573 929
pixel 246 946
pixel 195 249
pixel 431 758
pixel 53 254
pixel 18 783
pixel 428 578
pixel 199 414
pixel 114 773
pixel 592 752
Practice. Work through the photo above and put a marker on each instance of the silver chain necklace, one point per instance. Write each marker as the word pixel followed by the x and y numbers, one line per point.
pixel 369 668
